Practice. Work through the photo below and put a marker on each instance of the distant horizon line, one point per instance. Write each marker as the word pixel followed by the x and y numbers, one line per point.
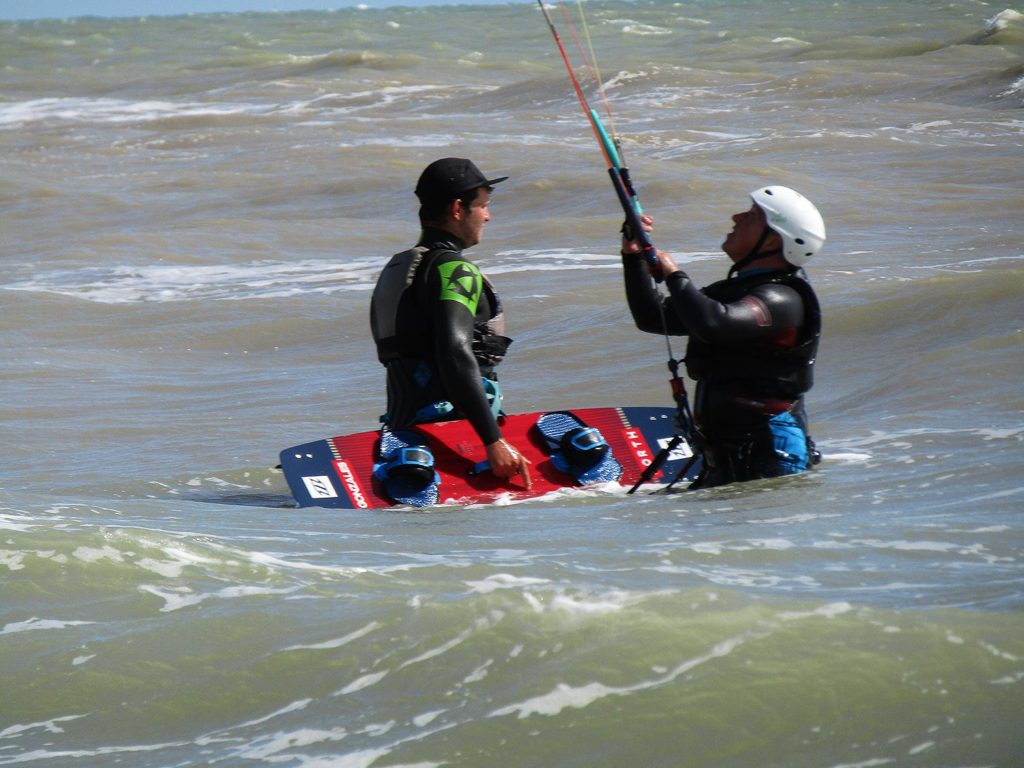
pixel 37 11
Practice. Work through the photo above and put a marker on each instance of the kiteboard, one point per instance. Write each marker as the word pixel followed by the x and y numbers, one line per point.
pixel 444 462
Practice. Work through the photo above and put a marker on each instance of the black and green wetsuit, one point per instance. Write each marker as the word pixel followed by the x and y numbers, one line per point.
pixel 437 323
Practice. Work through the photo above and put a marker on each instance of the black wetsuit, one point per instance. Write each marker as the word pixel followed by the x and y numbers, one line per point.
pixel 437 323
pixel 753 341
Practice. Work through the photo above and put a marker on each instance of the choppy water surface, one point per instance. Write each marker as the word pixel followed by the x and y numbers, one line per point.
pixel 194 210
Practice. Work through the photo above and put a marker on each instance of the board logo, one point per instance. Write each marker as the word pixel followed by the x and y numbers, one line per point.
pixel 681 451
pixel 320 487
pixel 348 477
pixel 637 444
pixel 645 456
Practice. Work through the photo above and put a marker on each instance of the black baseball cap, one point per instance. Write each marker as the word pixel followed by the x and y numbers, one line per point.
pixel 448 178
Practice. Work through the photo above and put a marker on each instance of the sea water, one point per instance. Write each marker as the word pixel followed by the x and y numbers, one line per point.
pixel 194 210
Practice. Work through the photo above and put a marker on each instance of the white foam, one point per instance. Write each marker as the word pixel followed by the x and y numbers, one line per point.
pixel 164 283
pixel 174 598
pixel 339 642
pixel 268 747
pixel 19 114
pixel 938 547
pixel 229 593
pixel 48 726
pixel 1011 679
pixel 609 603
pixel 479 673
pixel 802 517
pixel 720 547
pixel 178 558
pixel 995 495
pixel 439 650
pixel 1002 20
pixel 1017 86
pixel 630 27
pixel 739 577
pixel 827 611
pixel 577 697
pixel 377 729
pixel 362 682
pixel 35 623
pixel 15 561
pixel 363 758
pixel 421 721
pixel 262 558
pixel 999 653
pixel 563 696
pixel 161 283
pixel 504 581
pixel 295 706
pixel 1003 433
pixel 160 567
pixel 94 555
pixel 12 523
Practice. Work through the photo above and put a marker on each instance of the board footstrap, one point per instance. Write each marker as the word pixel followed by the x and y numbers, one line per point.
pixel 577 449
pixel 406 469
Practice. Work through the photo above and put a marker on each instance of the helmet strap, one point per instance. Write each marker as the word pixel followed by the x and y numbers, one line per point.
pixel 755 253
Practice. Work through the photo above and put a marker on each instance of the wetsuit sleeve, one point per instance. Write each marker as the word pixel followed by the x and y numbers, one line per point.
pixel 455 288
pixel 763 312
pixel 645 300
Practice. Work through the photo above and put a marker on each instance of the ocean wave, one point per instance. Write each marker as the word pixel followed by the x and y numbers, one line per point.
pixel 564 696
pixel 1015 88
pixel 328 107
pixel 1004 19
pixel 638 28
pixel 1007 20
pixel 292 64
pixel 111 111
pixel 159 283
pixel 35 624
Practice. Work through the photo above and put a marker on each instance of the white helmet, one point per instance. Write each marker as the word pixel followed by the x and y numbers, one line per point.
pixel 795 218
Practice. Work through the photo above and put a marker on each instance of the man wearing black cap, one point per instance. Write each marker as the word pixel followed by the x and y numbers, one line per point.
pixel 437 321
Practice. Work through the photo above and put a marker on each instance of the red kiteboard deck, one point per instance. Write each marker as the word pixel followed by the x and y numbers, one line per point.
pixel 338 471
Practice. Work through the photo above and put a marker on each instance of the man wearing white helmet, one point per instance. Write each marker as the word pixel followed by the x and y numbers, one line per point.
pixel 753 337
